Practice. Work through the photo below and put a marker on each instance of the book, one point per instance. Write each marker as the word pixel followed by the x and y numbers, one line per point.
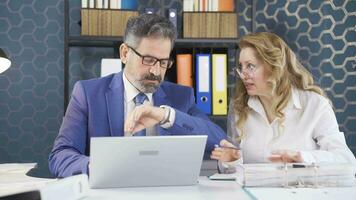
pixel 85 21
pixel 93 22
pixel 119 19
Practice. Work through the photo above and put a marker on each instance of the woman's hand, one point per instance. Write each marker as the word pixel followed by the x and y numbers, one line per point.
pixel 286 156
pixel 227 152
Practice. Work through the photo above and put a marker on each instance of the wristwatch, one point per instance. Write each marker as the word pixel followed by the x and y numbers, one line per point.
pixel 166 115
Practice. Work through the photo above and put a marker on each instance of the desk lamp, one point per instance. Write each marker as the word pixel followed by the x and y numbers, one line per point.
pixel 4 61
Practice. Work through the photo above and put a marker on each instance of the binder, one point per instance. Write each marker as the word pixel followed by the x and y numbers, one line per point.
pixel 129 4
pixel 219 84
pixel 184 70
pixel 172 14
pixel 226 5
pixel 203 82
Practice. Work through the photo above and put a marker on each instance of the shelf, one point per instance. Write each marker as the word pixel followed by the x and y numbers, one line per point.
pixel 107 41
pixel 206 42
pixel 218 117
pixel 94 41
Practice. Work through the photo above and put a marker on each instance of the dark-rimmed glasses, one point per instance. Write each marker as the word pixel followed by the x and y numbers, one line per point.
pixel 151 61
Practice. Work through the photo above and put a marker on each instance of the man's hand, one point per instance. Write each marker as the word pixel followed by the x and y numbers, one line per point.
pixel 143 116
pixel 227 152
pixel 286 156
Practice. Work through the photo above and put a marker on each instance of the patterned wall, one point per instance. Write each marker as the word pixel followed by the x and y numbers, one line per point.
pixel 31 91
pixel 322 33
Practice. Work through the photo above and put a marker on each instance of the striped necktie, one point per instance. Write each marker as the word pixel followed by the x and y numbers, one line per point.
pixel 139 99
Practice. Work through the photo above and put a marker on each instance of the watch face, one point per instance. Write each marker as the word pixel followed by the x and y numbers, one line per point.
pixel 166 115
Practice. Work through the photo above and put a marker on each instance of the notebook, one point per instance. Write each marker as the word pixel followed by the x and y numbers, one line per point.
pixel 145 161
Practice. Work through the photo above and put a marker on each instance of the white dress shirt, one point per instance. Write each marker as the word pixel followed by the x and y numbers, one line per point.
pixel 130 93
pixel 310 127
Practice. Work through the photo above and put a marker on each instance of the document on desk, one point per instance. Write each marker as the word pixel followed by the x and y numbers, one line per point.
pixel 301 175
pixel 13 185
pixel 16 167
pixel 345 193
pixel 223 177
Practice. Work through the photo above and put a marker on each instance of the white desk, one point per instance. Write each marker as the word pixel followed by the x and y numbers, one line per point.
pixel 204 190
pixel 14 181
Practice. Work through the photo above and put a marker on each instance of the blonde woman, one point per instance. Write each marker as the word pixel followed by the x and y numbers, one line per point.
pixel 278 114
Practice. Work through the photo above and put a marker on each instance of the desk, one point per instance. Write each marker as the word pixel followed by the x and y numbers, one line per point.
pixel 14 181
pixel 222 190
pixel 204 190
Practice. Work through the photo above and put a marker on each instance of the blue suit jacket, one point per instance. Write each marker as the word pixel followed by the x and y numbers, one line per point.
pixel 96 109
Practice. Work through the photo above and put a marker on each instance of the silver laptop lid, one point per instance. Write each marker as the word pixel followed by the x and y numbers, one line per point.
pixel 145 161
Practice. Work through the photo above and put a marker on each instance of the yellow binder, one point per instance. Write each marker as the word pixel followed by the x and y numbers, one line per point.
pixel 219 84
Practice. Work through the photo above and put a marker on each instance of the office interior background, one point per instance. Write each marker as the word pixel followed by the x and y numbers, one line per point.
pixel 321 32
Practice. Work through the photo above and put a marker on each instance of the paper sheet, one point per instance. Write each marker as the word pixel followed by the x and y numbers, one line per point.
pixel 223 177
pixel 344 193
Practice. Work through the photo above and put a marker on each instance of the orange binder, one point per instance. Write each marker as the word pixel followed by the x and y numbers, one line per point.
pixel 226 5
pixel 184 70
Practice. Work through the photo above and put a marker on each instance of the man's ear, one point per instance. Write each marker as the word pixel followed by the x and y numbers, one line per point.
pixel 123 52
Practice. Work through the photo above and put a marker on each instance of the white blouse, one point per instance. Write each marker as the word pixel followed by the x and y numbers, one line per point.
pixel 310 127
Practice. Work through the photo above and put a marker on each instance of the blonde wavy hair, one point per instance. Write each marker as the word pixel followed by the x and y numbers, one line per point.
pixel 285 72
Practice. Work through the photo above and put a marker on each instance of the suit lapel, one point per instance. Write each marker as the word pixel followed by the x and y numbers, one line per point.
pixel 115 105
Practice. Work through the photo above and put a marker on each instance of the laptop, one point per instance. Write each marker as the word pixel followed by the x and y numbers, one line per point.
pixel 145 161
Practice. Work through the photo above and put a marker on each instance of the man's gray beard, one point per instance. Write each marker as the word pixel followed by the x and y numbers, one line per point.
pixel 148 88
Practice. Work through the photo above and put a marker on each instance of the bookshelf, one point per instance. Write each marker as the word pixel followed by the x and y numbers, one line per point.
pixel 181 44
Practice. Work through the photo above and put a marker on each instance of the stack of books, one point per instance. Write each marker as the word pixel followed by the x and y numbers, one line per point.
pixel 106 18
pixel 209 25
pixel 209 19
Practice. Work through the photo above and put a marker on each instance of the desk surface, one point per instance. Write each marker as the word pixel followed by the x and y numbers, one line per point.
pixel 205 189
pixel 15 181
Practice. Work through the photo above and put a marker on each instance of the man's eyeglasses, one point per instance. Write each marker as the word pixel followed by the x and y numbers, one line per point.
pixel 151 61
pixel 249 69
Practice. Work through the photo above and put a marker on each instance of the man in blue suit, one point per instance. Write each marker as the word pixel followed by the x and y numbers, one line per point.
pixel 134 102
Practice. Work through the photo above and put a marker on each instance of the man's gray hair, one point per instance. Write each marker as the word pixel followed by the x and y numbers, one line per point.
pixel 148 25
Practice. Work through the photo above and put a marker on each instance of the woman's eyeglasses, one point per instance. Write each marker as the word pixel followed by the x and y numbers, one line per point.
pixel 151 61
pixel 249 70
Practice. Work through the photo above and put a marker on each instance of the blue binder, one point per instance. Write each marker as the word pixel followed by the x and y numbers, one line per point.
pixel 129 4
pixel 203 82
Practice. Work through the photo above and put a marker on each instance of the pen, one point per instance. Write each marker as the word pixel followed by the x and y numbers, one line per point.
pixel 235 148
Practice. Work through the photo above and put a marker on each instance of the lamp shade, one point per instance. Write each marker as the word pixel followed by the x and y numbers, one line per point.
pixel 4 61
